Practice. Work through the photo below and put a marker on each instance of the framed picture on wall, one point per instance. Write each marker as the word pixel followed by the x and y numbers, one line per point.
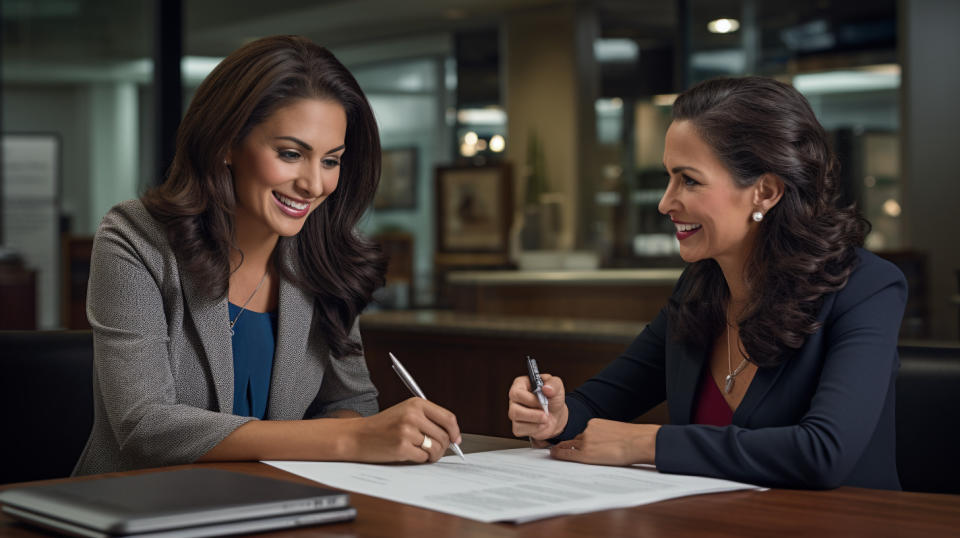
pixel 398 180
pixel 474 208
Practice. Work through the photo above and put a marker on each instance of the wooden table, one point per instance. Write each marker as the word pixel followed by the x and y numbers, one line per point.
pixel 777 512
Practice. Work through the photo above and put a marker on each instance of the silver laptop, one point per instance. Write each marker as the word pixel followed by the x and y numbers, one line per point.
pixel 179 503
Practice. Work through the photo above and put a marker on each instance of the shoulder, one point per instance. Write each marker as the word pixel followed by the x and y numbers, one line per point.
pixel 128 226
pixel 131 219
pixel 132 215
pixel 871 275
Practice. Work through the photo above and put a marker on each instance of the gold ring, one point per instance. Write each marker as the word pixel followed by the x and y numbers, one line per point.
pixel 427 442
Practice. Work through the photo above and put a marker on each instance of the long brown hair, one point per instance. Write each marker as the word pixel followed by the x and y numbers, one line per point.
pixel 806 243
pixel 196 203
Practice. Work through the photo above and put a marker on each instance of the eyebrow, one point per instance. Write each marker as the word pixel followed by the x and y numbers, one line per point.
pixel 306 146
pixel 678 169
pixel 295 140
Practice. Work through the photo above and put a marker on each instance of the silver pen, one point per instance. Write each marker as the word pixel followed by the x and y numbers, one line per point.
pixel 415 389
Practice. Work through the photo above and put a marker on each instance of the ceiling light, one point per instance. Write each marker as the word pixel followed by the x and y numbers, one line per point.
pixel 860 80
pixel 482 116
pixel 891 208
pixel 723 26
pixel 468 150
pixel 616 50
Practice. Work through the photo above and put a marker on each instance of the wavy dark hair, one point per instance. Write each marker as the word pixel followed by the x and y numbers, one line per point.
pixel 806 243
pixel 328 258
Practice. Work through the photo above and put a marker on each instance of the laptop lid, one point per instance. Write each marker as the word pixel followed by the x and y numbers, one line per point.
pixel 168 500
pixel 244 526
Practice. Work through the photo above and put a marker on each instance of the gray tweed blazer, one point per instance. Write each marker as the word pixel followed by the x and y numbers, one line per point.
pixel 163 359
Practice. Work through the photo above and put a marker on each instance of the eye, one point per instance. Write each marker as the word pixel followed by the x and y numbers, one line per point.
pixel 288 154
pixel 688 181
pixel 331 162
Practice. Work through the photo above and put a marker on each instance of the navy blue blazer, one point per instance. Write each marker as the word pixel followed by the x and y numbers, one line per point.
pixel 822 419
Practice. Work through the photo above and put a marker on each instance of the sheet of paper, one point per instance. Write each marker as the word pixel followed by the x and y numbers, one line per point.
pixel 518 485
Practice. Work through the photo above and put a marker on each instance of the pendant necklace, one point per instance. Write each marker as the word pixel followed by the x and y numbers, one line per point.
pixel 255 290
pixel 732 374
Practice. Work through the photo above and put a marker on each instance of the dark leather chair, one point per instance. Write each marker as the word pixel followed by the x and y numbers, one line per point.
pixel 928 418
pixel 46 400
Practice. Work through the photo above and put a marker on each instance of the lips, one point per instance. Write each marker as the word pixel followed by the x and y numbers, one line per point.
pixel 291 206
pixel 685 230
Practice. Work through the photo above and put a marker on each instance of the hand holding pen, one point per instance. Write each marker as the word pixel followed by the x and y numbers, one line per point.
pixel 415 389
pixel 537 408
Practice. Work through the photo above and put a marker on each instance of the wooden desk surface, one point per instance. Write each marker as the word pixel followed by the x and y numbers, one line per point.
pixel 776 512
pixel 433 322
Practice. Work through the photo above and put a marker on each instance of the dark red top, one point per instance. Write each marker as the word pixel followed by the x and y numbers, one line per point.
pixel 710 407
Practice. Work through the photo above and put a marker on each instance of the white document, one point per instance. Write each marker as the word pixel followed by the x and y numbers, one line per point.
pixel 518 485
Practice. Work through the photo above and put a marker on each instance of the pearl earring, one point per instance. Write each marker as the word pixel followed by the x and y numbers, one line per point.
pixel 757 216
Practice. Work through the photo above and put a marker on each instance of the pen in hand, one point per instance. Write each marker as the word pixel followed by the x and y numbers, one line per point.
pixel 415 389
pixel 536 383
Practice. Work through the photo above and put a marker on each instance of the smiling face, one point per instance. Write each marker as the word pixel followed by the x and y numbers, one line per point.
pixel 711 213
pixel 287 166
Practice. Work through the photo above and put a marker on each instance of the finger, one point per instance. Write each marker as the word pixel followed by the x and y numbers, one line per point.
pixel 522 429
pixel 411 447
pixel 527 400
pixel 416 413
pixel 532 430
pixel 566 451
pixel 433 448
pixel 520 392
pixel 520 383
pixel 439 441
pixel 445 420
pixel 552 386
pixel 530 415
pixel 539 443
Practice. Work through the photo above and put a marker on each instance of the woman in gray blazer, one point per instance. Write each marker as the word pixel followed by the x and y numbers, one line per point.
pixel 231 293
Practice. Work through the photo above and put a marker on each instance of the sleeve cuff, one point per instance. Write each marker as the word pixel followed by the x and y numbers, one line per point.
pixel 578 414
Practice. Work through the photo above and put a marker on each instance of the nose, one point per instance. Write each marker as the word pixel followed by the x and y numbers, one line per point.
pixel 310 182
pixel 669 200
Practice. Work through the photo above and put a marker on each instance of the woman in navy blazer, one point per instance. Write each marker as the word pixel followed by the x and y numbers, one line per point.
pixel 777 353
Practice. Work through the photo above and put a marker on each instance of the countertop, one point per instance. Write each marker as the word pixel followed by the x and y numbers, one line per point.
pixel 592 277
pixel 449 322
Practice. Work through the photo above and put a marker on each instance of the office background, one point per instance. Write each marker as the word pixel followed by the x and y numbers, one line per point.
pixel 563 103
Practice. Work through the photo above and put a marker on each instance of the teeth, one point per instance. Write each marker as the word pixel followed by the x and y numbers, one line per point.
pixel 299 206
pixel 686 227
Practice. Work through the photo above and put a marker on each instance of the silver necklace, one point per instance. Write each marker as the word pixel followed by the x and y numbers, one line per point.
pixel 731 376
pixel 244 307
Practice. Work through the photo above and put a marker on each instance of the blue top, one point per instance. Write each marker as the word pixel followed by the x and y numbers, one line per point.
pixel 254 340
pixel 824 418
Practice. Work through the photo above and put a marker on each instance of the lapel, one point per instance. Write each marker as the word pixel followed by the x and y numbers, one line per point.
pixel 762 382
pixel 211 320
pixel 687 361
pixel 293 328
pixel 766 378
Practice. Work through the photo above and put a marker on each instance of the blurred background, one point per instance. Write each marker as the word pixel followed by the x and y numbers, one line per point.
pixel 522 141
